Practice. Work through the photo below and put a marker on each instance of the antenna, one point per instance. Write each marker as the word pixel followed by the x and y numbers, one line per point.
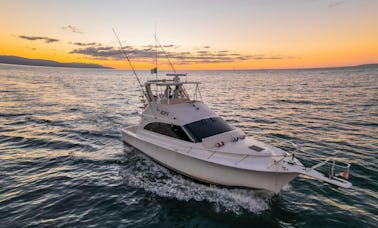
pixel 131 65
pixel 165 53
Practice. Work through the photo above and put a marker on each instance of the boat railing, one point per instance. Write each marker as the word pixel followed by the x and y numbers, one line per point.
pixel 292 153
pixel 160 91
pixel 333 169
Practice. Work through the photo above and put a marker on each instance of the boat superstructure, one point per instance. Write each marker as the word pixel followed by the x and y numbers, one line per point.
pixel 182 133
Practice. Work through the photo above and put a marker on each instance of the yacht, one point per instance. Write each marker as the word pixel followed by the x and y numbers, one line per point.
pixel 183 134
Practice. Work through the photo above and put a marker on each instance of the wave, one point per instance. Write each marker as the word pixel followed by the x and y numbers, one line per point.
pixel 304 102
pixel 33 142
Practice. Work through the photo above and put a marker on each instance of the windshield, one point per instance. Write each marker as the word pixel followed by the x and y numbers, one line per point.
pixel 207 127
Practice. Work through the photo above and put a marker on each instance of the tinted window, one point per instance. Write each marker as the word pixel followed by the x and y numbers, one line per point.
pixel 207 127
pixel 168 130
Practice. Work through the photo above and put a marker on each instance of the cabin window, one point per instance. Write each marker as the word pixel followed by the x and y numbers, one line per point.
pixel 170 130
pixel 207 127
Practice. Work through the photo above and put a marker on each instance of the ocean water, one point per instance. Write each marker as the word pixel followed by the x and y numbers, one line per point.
pixel 62 161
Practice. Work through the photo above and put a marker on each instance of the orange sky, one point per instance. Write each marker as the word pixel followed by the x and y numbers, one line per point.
pixel 240 34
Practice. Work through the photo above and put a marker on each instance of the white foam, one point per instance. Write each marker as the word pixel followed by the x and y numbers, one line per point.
pixel 154 178
pixel 287 188
pixel 100 155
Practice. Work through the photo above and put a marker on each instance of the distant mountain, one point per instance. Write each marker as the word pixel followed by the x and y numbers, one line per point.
pixel 372 65
pixel 42 62
pixel 363 66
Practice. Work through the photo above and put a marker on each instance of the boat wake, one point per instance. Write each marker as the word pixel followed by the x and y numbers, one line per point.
pixel 142 172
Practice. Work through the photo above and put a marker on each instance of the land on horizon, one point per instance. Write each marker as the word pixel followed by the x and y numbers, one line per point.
pixel 16 60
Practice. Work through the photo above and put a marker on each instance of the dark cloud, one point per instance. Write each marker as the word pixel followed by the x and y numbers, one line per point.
pixel 109 52
pixel 335 4
pixel 164 46
pixel 72 28
pixel 203 52
pixel 148 53
pixel 86 44
pixel 46 39
pixel 98 52
pixel 149 46
pixel 206 47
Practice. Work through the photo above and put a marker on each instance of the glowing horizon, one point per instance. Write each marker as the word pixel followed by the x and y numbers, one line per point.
pixel 209 34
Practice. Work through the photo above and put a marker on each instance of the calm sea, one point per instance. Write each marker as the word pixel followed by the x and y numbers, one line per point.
pixel 62 161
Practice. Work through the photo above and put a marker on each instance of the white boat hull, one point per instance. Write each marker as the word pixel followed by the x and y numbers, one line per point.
pixel 208 171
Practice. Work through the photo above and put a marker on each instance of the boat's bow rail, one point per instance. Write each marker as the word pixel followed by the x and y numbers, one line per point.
pixel 295 146
pixel 334 169
pixel 330 170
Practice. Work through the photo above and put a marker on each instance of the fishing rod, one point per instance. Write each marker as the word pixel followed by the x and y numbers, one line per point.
pixel 165 53
pixel 156 53
pixel 125 56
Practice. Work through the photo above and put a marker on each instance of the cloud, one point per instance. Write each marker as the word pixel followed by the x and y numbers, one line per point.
pixel 335 4
pixel 269 57
pixel 31 48
pixel 73 29
pixel 164 46
pixel 203 52
pixel 101 52
pixel 148 53
pixel 86 44
pixel 46 39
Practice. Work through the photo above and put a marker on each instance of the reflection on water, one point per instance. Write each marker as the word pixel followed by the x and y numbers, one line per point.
pixel 62 161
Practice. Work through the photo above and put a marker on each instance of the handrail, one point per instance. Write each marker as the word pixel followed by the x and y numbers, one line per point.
pixel 297 148
pixel 333 165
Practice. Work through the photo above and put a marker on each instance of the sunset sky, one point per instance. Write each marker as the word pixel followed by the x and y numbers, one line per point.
pixel 196 34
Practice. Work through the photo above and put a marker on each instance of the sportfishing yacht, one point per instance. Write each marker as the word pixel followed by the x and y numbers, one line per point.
pixel 183 134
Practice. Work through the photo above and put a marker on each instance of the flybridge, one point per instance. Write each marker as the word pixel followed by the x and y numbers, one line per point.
pixel 171 91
